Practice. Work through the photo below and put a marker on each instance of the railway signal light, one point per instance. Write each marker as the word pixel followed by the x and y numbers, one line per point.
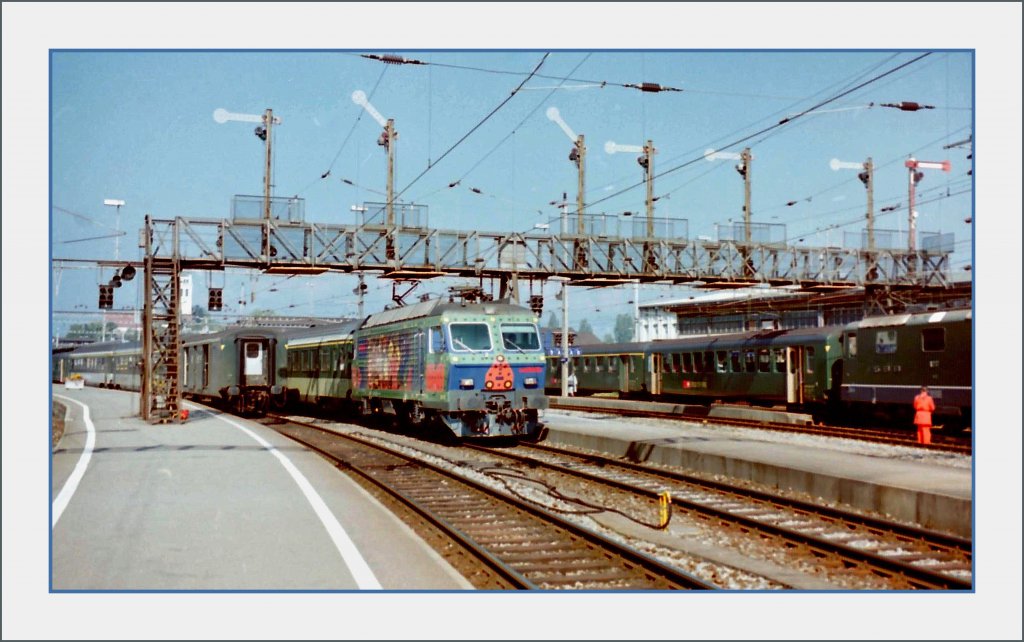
pixel 106 297
pixel 127 273
pixel 216 300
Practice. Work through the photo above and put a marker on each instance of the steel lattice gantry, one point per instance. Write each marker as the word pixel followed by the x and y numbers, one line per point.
pixel 278 246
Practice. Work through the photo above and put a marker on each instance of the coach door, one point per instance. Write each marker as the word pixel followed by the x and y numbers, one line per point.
pixel 623 372
pixel 254 363
pixel 654 373
pixel 795 374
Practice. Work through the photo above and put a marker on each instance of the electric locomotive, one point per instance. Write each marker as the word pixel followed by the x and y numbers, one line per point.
pixel 887 360
pixel 477 369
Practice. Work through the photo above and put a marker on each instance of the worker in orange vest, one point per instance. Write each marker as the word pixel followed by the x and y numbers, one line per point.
pixel 924 406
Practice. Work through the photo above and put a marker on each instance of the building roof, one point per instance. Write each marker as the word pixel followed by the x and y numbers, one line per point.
pixel 725 296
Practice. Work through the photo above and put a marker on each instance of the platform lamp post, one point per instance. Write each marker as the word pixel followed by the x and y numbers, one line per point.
pixel 116 203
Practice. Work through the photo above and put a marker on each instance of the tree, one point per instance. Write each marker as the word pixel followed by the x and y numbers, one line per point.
pixel 623 328
pixel 553 321
pixel 585 327
pixel 198 311
pixel 608 338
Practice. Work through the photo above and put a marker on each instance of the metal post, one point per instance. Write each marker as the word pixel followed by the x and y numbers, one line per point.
pixel 649 176
pixel 268 121
pixel 565 339
pixel 361 278
pixel 582 151
pixel 869 167
pixel 746 157
pixel 389 132
pixel 911 224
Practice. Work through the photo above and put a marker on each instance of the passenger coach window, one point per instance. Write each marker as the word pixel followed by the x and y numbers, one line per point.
pixel 687 362
pixel 709 361
pixel 677 362
pixel 698 363
pixel 933 339
pixel 780 360
pixel 737 366
pixel 764 361
pixel 751 361
pixel 809 359
pixel 521 336
pixel 470 337
pixel 723 362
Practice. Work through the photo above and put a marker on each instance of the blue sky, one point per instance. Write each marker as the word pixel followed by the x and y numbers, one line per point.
pixel 138 126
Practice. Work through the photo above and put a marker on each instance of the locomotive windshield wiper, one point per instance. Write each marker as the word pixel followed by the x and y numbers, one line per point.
pixel 459 342
pixel 513 344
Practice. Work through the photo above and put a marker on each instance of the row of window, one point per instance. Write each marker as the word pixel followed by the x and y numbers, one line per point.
pixel 324 359
pixel 720 361
pixel 91 364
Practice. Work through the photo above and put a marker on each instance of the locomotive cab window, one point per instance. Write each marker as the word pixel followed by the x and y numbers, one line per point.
pixel 885 342
pixel 851 344
pixel 520 336
pixel 470 337
pixel 436 340
pixel 809 359
pixel 933 339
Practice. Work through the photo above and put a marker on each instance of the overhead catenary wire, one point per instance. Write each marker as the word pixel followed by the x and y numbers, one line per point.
pixel 777 125
pixel 472 129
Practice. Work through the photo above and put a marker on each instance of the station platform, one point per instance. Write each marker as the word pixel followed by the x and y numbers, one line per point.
pixel 215 503
pixel 933 490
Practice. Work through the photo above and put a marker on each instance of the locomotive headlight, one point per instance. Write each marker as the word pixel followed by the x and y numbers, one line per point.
pixel 466 384
pixel 530 382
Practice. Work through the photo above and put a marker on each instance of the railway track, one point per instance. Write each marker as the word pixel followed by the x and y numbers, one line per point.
pixel 942 443
pixel 516 543
pixel 904 556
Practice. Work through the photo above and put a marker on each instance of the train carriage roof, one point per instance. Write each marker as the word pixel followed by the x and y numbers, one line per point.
pixel 335 332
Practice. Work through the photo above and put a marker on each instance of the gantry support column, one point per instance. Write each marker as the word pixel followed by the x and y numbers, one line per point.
pixel 161 343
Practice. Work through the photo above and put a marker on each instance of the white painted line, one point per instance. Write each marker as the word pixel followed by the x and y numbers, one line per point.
pixel 365 579
pixel 64 496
